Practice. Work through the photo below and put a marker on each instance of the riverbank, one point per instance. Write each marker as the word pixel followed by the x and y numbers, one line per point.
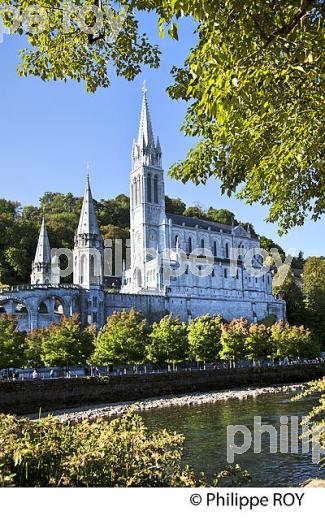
pixel 31 397
pixel 114 409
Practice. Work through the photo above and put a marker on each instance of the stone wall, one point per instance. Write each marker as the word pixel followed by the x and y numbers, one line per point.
pixel 29 396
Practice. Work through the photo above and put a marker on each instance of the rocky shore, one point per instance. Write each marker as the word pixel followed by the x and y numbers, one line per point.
pixel 108 410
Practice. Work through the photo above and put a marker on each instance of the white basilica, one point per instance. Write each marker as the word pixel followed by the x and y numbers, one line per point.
pixel 179 265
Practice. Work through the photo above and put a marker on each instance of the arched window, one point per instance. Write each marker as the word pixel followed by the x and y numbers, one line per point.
pixel 92 266
pixel 149 188
pixel 58 306
pixel 215 249
pixel 155 190
pixel 225 273
pixel 176 241
pixel 202 243
pixel 139 190
pixel 135 188
pixel 83 264
pixel 190 246
pixel 42 309
pixel 227 250
pixel 213 273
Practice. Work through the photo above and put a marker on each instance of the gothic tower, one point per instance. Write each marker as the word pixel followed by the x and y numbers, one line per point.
pixel 88 250
pixel 148 217
pixel 44 270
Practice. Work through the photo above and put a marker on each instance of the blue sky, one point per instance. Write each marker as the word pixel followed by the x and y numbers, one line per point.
pixel 50 131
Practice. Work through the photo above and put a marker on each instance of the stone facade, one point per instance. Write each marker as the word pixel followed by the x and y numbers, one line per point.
pixel 179 265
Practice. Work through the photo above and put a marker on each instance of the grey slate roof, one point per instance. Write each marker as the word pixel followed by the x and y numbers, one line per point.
pixel 178 220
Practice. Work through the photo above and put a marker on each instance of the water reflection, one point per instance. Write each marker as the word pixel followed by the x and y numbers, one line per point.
pixel 205 428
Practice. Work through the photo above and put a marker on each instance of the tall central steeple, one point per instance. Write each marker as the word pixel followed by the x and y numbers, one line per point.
pixel 147 215
pixel 145 137
pixel 88 250
pixel 146 151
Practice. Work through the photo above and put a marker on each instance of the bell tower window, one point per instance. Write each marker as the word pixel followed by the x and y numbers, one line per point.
pixel 155 189
pixel 149 188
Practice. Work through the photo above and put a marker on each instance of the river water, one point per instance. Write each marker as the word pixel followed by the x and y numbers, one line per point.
pixel 205 430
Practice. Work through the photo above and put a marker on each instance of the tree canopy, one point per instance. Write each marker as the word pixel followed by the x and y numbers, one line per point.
pixel 19 227
pixel 253 84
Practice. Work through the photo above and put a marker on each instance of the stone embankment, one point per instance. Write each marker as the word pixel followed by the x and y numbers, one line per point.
pixel 31 397
pixel 106 411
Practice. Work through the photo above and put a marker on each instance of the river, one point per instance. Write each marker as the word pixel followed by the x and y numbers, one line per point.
pixel 205 430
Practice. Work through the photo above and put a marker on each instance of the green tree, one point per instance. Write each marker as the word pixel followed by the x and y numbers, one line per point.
pixel 293 342
pixel 196 212
pixel 314 288
pixel 12 352
pixel 122 340
pixel 222 216
pixel 253 83
pixel 233 340
pixel 257 342
pixel 67 343
pixel 168 341
pixel 204 335
pixel 62 51
pixel 254 86
pixel 175 206
pixel 34 347
pixel 293 295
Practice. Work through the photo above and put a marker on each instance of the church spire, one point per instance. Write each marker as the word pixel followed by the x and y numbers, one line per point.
pixel 145 137
pixel 43 251
pixel 146 151
pixel 88 221
pixel 41 267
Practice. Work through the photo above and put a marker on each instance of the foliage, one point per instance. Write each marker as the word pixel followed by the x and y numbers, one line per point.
pixel 175 206
pixel 253 83
pixel 62 51
pixel 232 476
pixel 11 343
pixel 34 348
pixel 122 340
pixel 293 295
pixel 293 342
pixel 168 341
pixel 233 340
pixel 314 288
pixel 256 101
pixel 314 421
pixel 119 453
pixel 19 228
pixel 257 342
pixel 66 343
pixel 204 335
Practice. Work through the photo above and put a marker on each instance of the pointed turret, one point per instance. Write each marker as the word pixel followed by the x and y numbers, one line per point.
pixel 41 267
pixel 43 251
pixel 88 250
pixel 88 221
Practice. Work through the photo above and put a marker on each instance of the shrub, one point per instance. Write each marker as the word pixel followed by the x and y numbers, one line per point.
pixel 120 453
